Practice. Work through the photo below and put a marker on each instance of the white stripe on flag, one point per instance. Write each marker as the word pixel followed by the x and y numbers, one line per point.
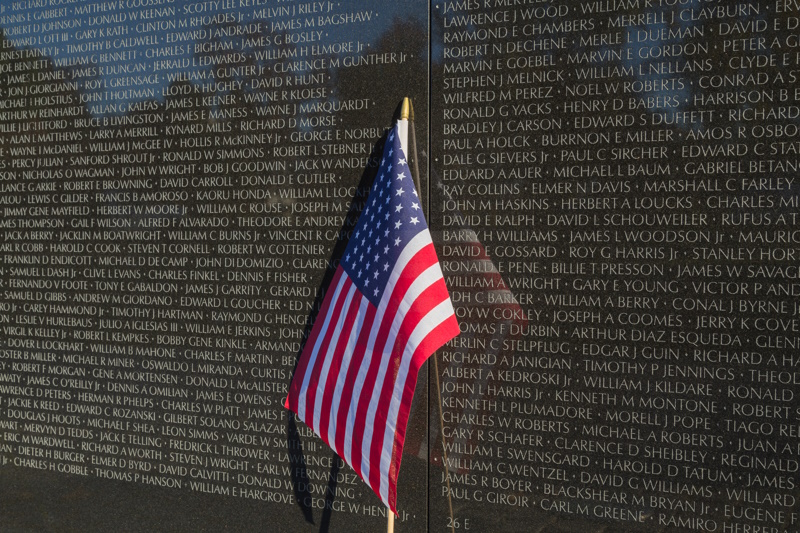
pixel 330 355
pixel 428 323
pixel 341 378
pixel 427 278
pixel 415 245
pixel 301 396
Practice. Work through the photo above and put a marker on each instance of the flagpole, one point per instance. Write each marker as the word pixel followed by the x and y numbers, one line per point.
pixel 413 148
pixel 402 130
pixel 407 113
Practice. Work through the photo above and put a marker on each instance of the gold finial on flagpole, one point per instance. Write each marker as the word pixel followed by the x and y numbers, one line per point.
pixel 405 111
pixel 410 110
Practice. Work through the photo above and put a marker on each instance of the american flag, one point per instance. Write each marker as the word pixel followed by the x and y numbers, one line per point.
pixel 386 311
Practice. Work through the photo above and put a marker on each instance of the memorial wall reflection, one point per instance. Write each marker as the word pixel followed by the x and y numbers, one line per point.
pixel 176 178
pixel 613 198
pixel 619 232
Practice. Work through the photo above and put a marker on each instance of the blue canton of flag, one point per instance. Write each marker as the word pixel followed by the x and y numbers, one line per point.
pixel 391 218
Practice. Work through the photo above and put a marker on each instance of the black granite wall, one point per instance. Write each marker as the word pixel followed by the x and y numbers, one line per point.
pixel 611 188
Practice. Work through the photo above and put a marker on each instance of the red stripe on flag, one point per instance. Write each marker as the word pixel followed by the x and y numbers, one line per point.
pixel 327 329
pixel 350 386
pixel 439 336
pixel 418 264
pixel 432 342
pixel 313 381
pixel 336 363
pixel 420 307
pixel 294 388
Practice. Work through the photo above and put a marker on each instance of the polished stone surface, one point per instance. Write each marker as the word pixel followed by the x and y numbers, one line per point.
pixel 611 189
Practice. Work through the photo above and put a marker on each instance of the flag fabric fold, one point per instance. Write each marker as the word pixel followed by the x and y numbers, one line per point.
pixel 385 313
